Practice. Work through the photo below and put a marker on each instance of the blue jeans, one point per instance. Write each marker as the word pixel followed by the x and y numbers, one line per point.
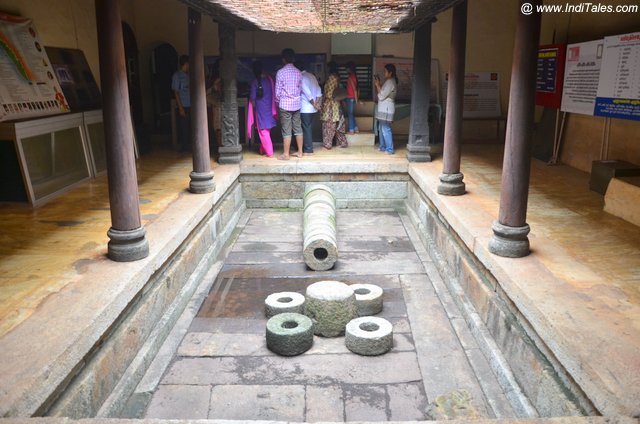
pixel 385 136
pixel 351 117
pixel 307 131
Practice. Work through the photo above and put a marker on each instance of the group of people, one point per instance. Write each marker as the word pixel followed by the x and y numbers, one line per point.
pixel 294 98
pixel 298 97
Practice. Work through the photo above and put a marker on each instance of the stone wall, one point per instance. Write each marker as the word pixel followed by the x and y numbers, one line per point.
pixel 158 304
pixel 357 190
pixel 493 317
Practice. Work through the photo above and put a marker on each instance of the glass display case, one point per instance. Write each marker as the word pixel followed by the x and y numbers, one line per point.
pixel 94 130
pixel 43 158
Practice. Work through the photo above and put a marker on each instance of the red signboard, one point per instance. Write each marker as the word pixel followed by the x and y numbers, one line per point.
pixel 550 75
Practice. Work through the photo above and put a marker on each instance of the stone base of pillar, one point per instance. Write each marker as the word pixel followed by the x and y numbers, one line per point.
pixel 127 246
pixel 230 154
pixel 422 153
pixel 201 182
pixel 509 242
pixel 451 184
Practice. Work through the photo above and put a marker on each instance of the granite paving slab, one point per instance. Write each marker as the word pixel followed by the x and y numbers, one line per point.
pixel 393 367
pixel 258 402
pixel 225 348
pixel 348 264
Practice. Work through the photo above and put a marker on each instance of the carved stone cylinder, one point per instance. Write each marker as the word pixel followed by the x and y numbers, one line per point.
pixel 320 247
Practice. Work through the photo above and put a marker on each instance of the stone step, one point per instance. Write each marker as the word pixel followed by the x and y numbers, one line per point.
pixel 363 138
pixel 364 123
pixel 364 108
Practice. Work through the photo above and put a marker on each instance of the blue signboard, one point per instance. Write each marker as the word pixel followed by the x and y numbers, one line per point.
pixel 547 70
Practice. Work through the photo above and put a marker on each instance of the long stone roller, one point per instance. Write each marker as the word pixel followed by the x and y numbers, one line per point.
pixel 320 247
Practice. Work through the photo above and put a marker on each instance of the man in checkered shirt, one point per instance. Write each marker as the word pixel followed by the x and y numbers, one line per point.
pixel 288 90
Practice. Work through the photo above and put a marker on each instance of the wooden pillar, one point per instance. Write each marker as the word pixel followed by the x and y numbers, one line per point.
pixel 510 231
pixel 451 183
pixel 201 176
pixel 127 236
pixel 418 147
pixel 231 150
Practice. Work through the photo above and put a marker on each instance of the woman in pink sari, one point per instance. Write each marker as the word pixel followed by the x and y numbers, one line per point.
pixel 262 108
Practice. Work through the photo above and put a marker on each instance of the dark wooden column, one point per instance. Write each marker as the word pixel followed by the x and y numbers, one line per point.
pixel 231 150
pixel 201 176
pixel 127 236
pixel 510 231
pixel 418 147
pixel 451 183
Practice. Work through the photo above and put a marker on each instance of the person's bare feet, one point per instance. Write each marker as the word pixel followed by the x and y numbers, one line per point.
pixel 283 157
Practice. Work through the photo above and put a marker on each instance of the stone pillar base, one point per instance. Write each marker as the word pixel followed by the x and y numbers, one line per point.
pixel 451 184
pixel 201 182
pixel 127 246
pixel 230 154
pixel 418 153
pixel 509 242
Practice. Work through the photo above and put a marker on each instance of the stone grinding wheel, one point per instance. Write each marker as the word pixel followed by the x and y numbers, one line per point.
pixel 289 334
pixel 369 336
pixel 368 299
pixel 320 247
pixel 331 305
pixel 278 303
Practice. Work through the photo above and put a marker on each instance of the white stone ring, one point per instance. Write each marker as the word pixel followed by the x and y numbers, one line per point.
pixel 278 303
pixel 369 336
pixel 368 299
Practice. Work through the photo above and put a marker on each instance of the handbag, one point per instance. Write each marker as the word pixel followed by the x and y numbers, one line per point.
pixel 340 93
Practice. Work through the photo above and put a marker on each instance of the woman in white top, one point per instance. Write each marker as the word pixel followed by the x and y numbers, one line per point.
pixel 386 107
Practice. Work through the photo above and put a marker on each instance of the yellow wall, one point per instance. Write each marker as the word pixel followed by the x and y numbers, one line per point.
pixel 61 23
pixel 491 30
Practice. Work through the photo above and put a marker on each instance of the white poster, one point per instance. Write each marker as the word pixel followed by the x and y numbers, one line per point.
pixel 481 94
pixel 581 76
pixel 619 87
pixel 28 86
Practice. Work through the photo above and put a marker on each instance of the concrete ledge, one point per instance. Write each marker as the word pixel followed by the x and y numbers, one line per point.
pixel 623 199
pixel 34 379
pixel 310 165
pixel 560 420
pixel 558 356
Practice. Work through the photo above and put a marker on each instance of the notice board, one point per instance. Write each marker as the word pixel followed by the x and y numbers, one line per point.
pixel 581 77
pixel 481 94
pixel 550 73
pixel 28 85
pixel 618 93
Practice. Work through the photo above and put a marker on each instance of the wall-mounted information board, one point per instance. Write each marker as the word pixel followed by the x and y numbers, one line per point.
pixel 28 85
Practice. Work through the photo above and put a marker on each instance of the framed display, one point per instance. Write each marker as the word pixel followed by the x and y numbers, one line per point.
pixel 76 79
pixel 29 85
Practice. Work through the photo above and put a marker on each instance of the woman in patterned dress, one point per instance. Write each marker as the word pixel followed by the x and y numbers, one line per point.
pixel 333 123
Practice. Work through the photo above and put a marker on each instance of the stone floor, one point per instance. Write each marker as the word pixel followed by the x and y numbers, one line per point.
pixel 223 370
pixel 53 284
